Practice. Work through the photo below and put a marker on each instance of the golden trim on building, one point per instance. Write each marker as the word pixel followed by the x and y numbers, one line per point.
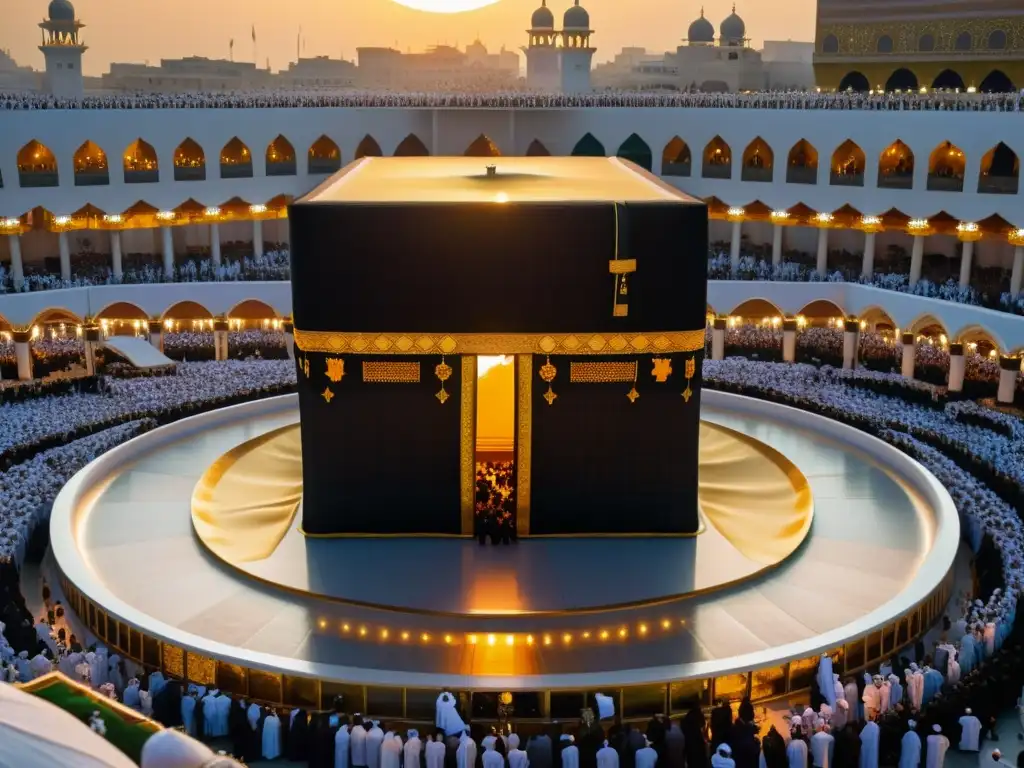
pixel 524 439
pixel 651 342
pixel 467 444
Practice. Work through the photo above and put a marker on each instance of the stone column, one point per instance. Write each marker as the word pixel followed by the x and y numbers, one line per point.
pixel 789 340
pixel 851 339
pixel 718 338
pixel 1017 275
pixel 23 353
pixel 156 334
pixel 215 244
pixel 220 339
pixel 289 338
pixel 957 368
pixel 17 267
pixel 777 232
pixel 909 352
pixel 91 335
pixel 822 251
pixel 734 247
pixel 965 263
pixel 257 237
pixel 867 268
pixel 1009 367
pixel 115 254
pixel 168 247
pixel 65 256
pixel 916 259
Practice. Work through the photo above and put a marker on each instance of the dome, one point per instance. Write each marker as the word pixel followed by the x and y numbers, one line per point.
pixel 543 18
pixel 733 29
pixel 61 10
pixel 701 30
pixel 576 17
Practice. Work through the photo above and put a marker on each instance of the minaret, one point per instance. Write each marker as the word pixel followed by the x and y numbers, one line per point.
pixel 542 52
pixel 63 51
pixel 576 53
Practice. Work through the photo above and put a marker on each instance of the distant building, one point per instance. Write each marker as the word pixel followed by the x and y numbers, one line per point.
pixel 440 66
pixel 559 60
pixel 194 73
pixel 62 50
pixel 318 72
pixel 17 78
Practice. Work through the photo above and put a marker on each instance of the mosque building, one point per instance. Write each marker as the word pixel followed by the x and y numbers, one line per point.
pixel 559 60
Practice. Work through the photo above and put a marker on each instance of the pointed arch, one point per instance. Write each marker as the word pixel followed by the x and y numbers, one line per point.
pixel 946 167
pixel 186 310
pixel 948 80
pixel 324 156
pixel 902 80
pixel 235 160
pixel 802 163
pixel 411 146
pixel 252 309
pixel 140 163
pixel 189 162
pixel 675 158
pixel 847 166
pixel 37 166
pixel 756 309
pixel 1000 171
pixel 89 164
pixel 896 167
pixel 636 150
pixel 280 157
pixel 821 309
pixel 854 81
pixel 717 160
pixel 482 146
pixel 588 146
pixel 996 81
pixel 537 149
pixel 758 161
pixel 368 147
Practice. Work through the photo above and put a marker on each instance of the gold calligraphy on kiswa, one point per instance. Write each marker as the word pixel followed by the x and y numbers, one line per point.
pixel 662 369
pixel 690 370
pixel 335 369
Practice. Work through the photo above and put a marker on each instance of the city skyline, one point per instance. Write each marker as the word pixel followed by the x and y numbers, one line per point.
pixel 113 34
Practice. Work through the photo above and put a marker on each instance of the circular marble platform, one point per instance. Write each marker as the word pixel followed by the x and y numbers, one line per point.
pixel 122 536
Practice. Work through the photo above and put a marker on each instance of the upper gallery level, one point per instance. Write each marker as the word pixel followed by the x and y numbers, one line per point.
pixel 921 162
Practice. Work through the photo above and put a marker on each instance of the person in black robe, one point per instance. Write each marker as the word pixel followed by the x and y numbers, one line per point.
pixel 237 725
pixel 167 705
pixel 198 719
pixel 721 724
pixel 743 738
pixel 693 731
pixel 298 733
pixel 590 739
pixel 847 747
pixel 656 735
pixel 451 748
pixel 774 748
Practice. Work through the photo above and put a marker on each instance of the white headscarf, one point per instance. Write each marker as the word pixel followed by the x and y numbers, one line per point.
pixel 172 749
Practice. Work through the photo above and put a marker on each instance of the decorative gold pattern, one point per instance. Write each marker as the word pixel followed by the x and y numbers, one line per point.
pixel 662 342
pixel 467 443
pixel 335 369
pixel 201 669
pixel 861 39
pixel 443 371
pixel 621 310
pixel 691 367
pixel 305 366
pixel 390 372
pixel 662 369
pixel 622 266
pixel 603 372
pixel 174 660
pixel 327 395
pixel 524 441
pixel 633 395
pixel 547 373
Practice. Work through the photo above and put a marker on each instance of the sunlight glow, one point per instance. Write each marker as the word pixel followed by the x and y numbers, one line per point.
pixel 445 6
pixel 484 363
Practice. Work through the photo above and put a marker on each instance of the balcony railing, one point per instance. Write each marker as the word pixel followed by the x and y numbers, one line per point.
pixel 797 174
pixel 190 173
pixel 846 179
pixel 675 169
pixel 38 178
pixel 282 168
pixel 716 171
pixel 945 183
pixel 143 177
pixel 92 179
pixel 756 174
pixel 895 180
pixel 236 170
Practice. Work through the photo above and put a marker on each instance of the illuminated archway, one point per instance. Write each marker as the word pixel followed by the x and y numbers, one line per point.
pixel 948 80
pixel 755 309
pixel 482 146
pixel 847 167
pixel 189 162
pixel 235 160
pixel 802 163
pixel 122 310
pixel 187 310
pixel 896 167
pixel 636 150
pixel 324 156
pixel 588 146
pixel 37 166
pixel 90 166
pixel 252 309
pixel 854 81
pixel 758 161
pixel 821 310
pixel 411 146
pixel 946 167
pixel 1000 171
pixel 368 147
pixel 537 149
pixel 280 157
pixel 717 162
pixel 140 163
pixel 675 158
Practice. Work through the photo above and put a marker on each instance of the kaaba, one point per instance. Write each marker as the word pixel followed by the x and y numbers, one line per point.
pixel 579 284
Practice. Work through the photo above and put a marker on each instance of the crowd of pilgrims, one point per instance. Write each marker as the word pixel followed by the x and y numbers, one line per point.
pixel 488 98
pixel 495 505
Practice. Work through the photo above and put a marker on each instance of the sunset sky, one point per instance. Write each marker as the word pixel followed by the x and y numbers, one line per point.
pixel 140 30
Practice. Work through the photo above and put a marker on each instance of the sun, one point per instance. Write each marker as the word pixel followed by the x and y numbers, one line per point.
pixel 445 6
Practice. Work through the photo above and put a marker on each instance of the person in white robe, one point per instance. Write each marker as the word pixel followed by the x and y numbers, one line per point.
pixel 491 759
pixel 872 699
pixel 932 683
pixel 883 685
pixel 808 719
pixel 826 684
pixel 357 744
pixel 935 748
pixel 488 741
pixel 252 715
pixel 970 732
pixel 341 739
pixel 910 747
pixel 168 748
pixel 374 741
pixel 837 685
pixel 40 665
pixel 68 663
pixel 517 757
pixel 411 750
pixel 391 751
pixel 98 667
pixel 188 713
pixel 433 753
pixel 131 694
pixel 23 666
pixel 796 752
pixel 869 745
pixel 607 757
pixel 895 692
pixel 840 716
pixel 823 746
pixel 114 673
pixel 722 757
pixel 146 703
pixel 271 736
pixel 605 706
pixel 446 717
pixel 43 633
pixel 646 757
pixel 156 682
pixel 465 755
pixel 853 699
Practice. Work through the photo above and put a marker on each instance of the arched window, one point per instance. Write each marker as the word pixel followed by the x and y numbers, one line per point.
pixel 324 156
pixel 235 160
pixel 926 43
pixel 758 161
pixel 189 162
pixel 997 40
pixel 140 164
pixel 896 167
pixel 537 149
pixel 847 167
pixel 830 44
pixel 901 80
pixel 802 164
pixel 946 167
pixel 996 81
pixel 482 146
pixel 675 159
pixel 963 42
pixel 90 165
pixel 884 44
pixel 854 81
pixel 636 151
pixel 368 147
pixel 37 166
pixel 588 146
pixel 1000 171
pixel 411 146
pixel 280 157
pixel 948 80
pixel 717 160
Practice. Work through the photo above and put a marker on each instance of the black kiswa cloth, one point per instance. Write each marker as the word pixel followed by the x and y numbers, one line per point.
pixel 620 298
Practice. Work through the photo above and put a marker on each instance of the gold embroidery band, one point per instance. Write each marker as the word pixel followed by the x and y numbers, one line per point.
pixel 467 444
pixel 524 440
pixel 391 372
pixel 622 266
pixel 649 342
pixel 601 373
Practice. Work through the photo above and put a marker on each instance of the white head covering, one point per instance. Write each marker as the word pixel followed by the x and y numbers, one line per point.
pixel 725 749
pixel 413 733
pixel 967 711
pixel 911 724
pixel 937 728
pixel 172 749
pixel 843 704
